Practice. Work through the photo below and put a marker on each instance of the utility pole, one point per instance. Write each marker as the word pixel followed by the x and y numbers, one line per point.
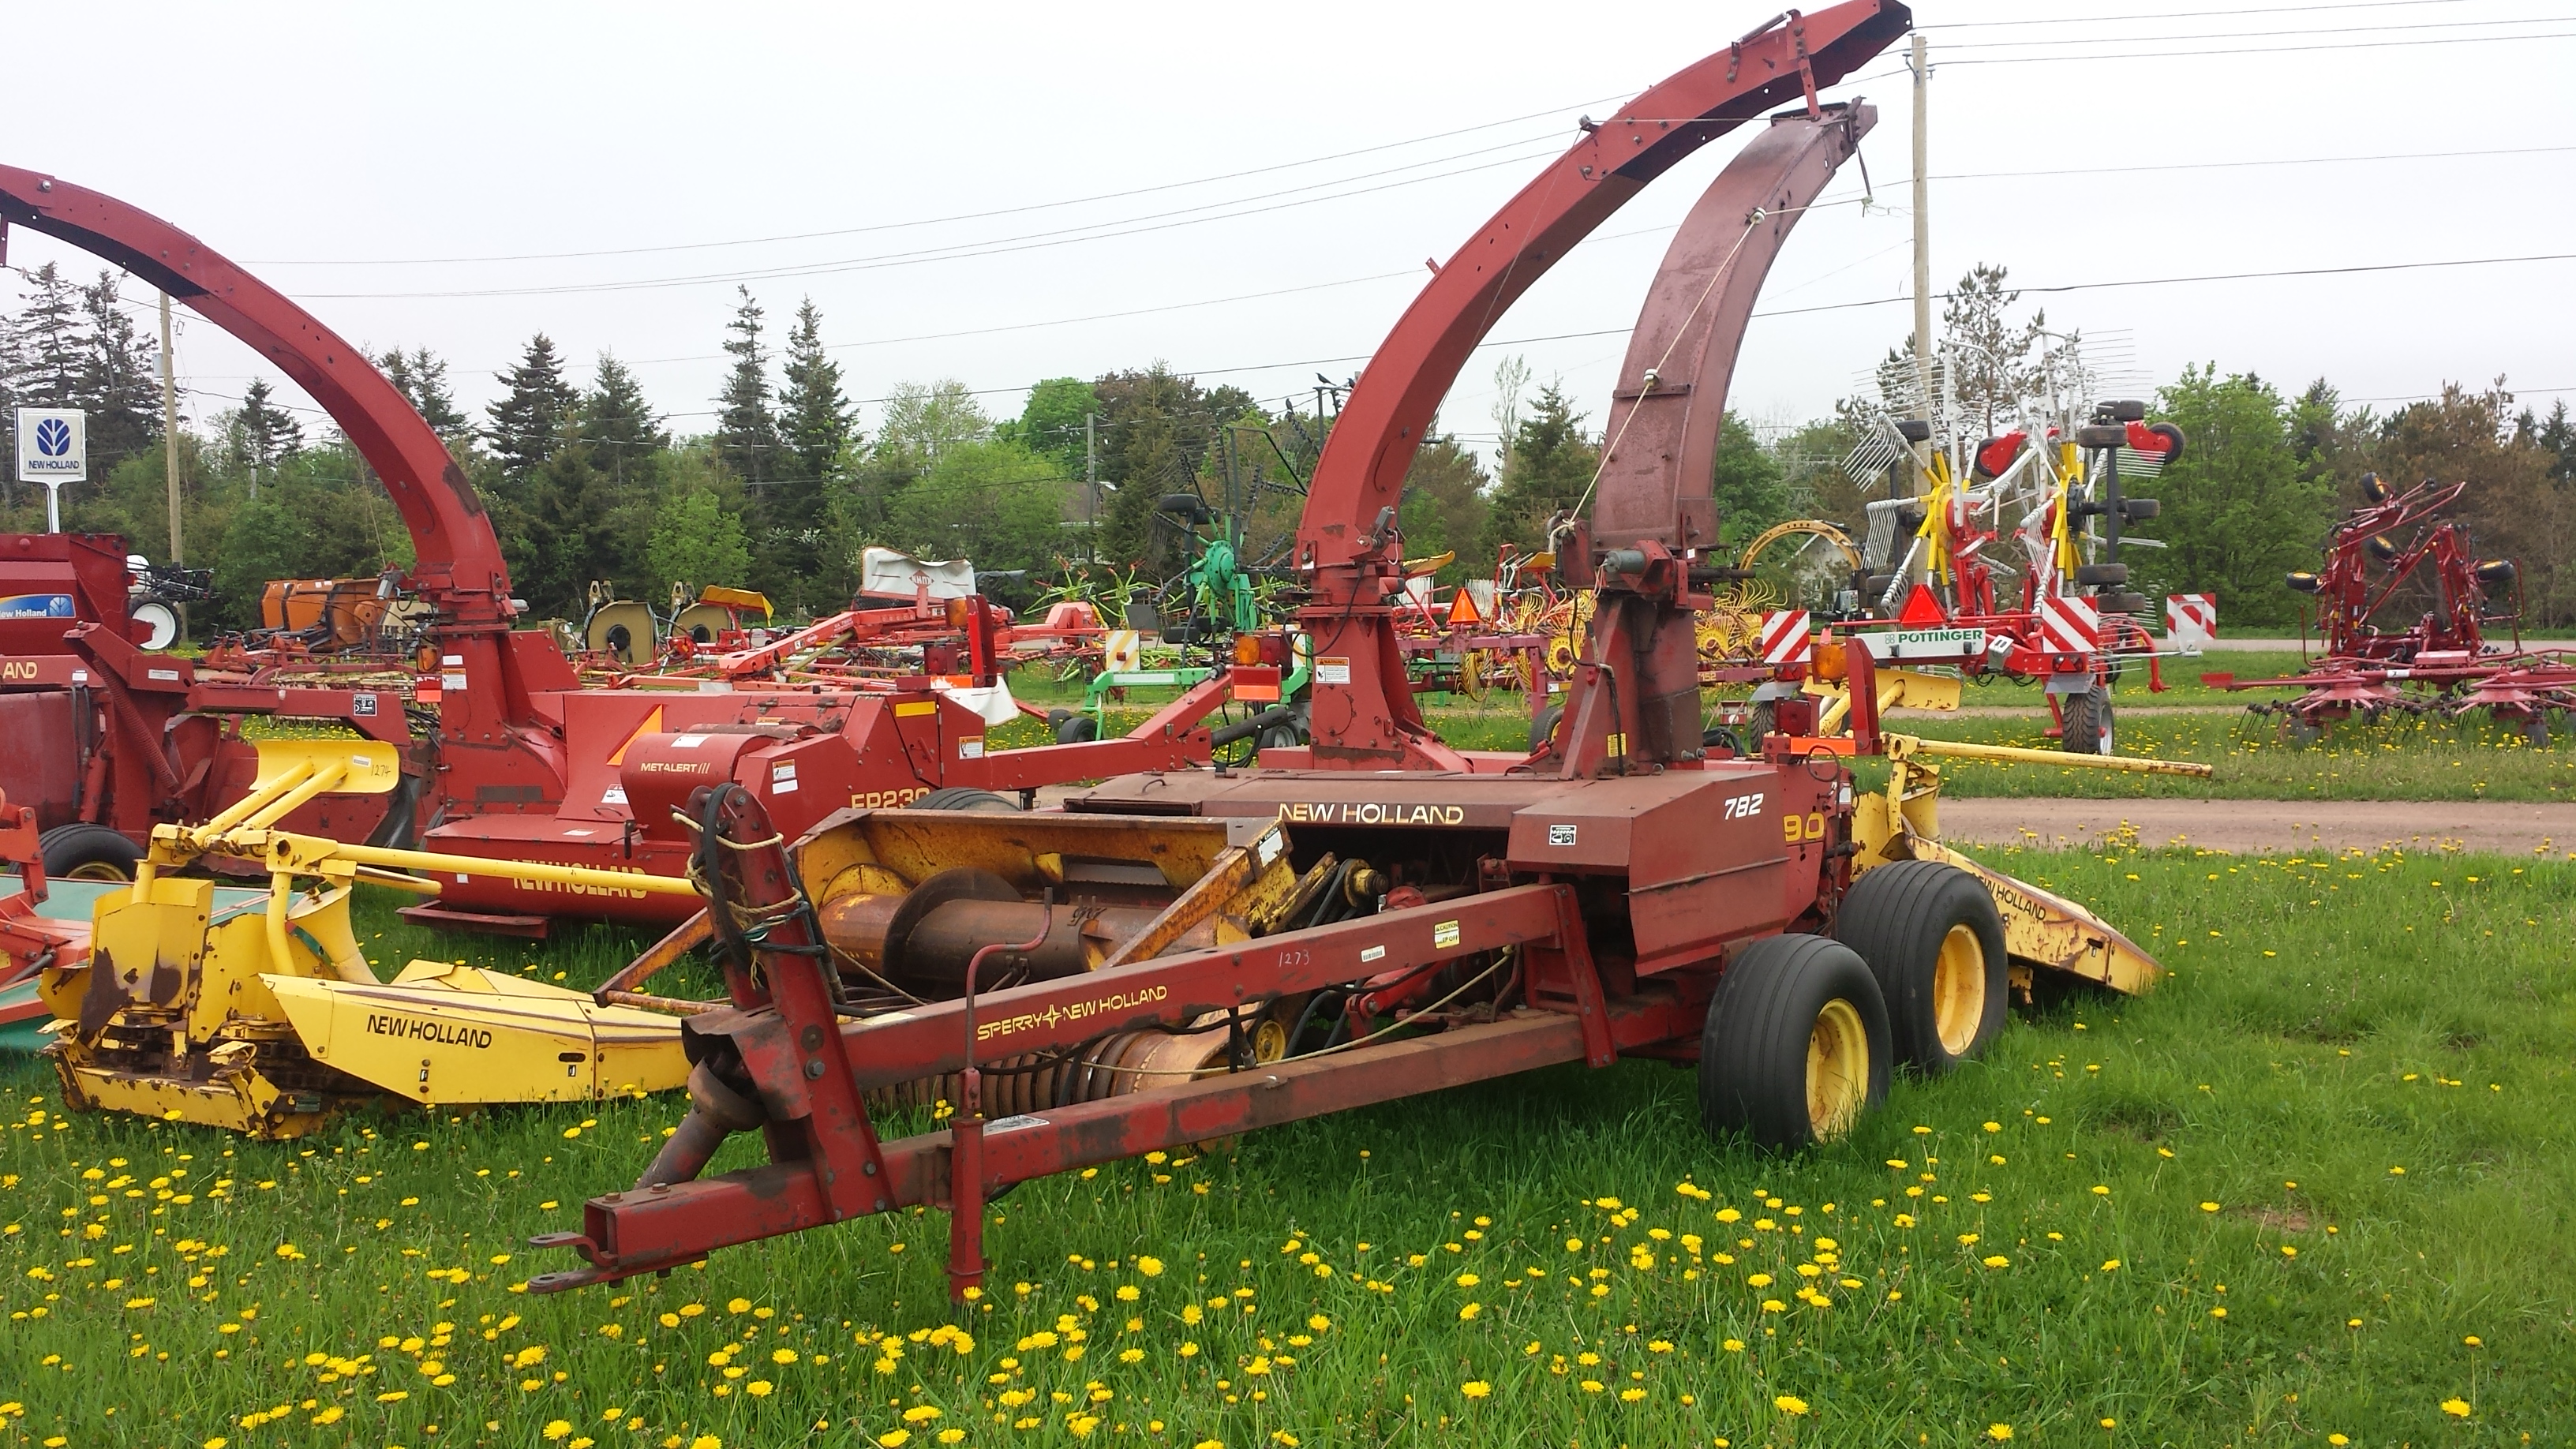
pixel 1922 224
pixel 1091 486
pixel 170 433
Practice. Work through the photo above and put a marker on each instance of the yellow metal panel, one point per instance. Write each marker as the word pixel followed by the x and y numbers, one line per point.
pixel 238 1101
pixel 2051 931
pixel 365 767
pixel 453 1034
pixel 146 941
pixel 745 599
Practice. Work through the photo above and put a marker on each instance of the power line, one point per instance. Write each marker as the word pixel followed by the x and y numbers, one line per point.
pixel 960 251
pixel 2190 14
pixel 2258 50
pixel 962 216
pixel 2234 165
pixel 2258 34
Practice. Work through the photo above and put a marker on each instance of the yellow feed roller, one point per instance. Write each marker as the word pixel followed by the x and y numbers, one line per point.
pixel 264 1017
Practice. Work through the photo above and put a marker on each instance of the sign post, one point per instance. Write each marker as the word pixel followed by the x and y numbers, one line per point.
pixel 53 449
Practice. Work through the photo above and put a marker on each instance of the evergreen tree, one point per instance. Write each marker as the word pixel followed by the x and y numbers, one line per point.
pixel 42 351
pixel 421 377
pixel 537 415
pixel 1552 461
pixel 817 428
pixel 48 345
pixel 1444 508
pixel 1154 430
pixel 746 429
pixel 120 385
pixel 619 425
pixel 815 419
pixel 259 435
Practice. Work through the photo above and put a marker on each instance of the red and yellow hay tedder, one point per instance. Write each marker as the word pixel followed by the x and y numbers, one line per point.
pixel 2404 608
pixel 1180 956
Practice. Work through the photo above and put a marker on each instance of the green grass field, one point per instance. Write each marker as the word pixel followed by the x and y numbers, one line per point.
pixel 2314 1186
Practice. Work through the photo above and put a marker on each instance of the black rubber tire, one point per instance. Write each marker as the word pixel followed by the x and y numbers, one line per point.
pixel 2127 410
pixel 2102 573
pixel 967 798
pixel 1914 430
pixel 2173 439
pixel 2303 582
pixel 1898 917
pixel 1543 728
pixel 2121 602
pixel 1279 737
pixel 1753 1052
pixel 1076 729
pixel 2496 573
pixel 2382 548
pixel 1873 587
pixel 2101 435
pixel 2141 510
pixel 2085 723
pixel 70 850
pixel 2373 489
pixel 1765 720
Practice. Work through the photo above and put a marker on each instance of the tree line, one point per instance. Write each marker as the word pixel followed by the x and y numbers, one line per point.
pixel 585 482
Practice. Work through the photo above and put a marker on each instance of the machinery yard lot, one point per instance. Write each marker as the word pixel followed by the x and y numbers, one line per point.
pixel 2310 1187
pixel 1173 920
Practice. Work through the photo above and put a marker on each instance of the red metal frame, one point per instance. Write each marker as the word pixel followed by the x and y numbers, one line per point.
pixel 1597 816
pixel 1345 546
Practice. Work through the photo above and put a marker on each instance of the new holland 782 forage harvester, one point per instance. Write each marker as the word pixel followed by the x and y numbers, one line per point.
pixel 1379 915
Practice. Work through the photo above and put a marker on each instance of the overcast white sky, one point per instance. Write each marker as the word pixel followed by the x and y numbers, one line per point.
pixel 334 147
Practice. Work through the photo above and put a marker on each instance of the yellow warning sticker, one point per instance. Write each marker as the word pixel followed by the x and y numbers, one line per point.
pixel 1444 935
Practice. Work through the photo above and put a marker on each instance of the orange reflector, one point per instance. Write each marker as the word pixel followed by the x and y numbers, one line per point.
pixel 1824 744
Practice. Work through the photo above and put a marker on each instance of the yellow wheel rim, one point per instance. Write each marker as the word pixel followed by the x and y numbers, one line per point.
pixel 1837 1070
pixel 1959 990
pixel 99 870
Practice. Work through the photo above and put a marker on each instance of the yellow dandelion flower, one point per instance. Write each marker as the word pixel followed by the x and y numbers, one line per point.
pixel 1150 1267
pixel 557 1429
pixel 2456 1408
pixel 895 1438
pixel 1999 1432
pixel 1476 1389
pixel 1790 1404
